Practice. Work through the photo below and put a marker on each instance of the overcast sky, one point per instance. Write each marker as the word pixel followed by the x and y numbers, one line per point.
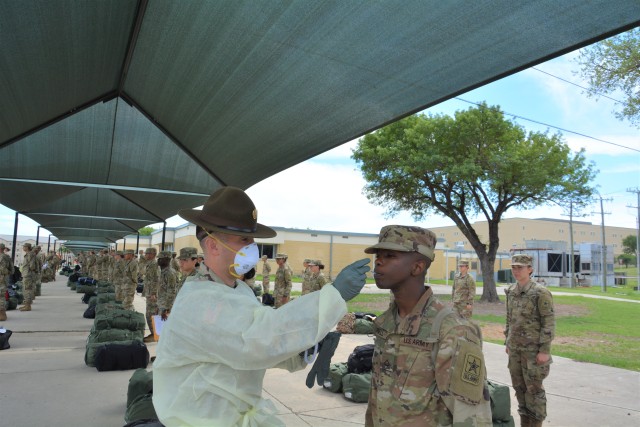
pixel 325 193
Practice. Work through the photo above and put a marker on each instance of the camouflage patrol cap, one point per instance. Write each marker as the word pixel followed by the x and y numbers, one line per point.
pixel 522 259
pixel 264 257
pixel 2 246
pixel 27 245
pixel 129 252
pixel 463 264
pixel 188 253
pixel 119 253
pixel 151 250
pixel 164 254
pixel 282 256
pixel 201 256
pixel 315 262
pixel 405 238
pixel 307 260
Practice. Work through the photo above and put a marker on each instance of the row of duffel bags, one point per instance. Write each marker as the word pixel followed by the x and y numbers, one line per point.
pixel 14 296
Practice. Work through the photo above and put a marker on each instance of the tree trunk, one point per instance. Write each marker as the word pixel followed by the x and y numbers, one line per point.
pixel 489 291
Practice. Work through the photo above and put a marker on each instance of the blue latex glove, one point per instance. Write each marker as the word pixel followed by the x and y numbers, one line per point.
pixel 351 279
pixel 320 369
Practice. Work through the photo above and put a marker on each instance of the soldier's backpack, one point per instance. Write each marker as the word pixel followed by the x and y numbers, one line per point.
pixel 267 299
pixel 141 409
pixel 500 401
pixel 122 356
pixel 346 325
pixel 93 345
pixel 140 287
pixel 333 382
pixel 356 387
pixel 140 383
pixel 363 326
pixel 120 319
pixel 90 312
pixel 361 359
pixel 5 334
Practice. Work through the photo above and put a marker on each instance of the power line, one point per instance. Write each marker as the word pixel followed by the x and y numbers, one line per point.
pixel 554 127
pixel 577 85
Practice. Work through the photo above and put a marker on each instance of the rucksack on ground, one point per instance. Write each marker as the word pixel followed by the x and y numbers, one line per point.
pixel 361 359
pixel 356 387
pixel 333 382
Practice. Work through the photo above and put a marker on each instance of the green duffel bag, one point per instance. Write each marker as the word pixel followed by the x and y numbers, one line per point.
pixel 109 335
pixel 38 289
pixel 140 383
pixel 73 285
pixel 85 289
pixel 500 401
pixel 333 382
pixel 92 348
pixel 363 326
pixel 141 409
pixel 93 301
pixel 19 296
pixel 105 287
pixel 356 387
pixel 107 307
pixel 12 303
pixel 120 319
pixel 106 297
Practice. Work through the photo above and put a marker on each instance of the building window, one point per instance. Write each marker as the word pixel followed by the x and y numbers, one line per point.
pixel 314 235
pixel 345 237
pixel 267 249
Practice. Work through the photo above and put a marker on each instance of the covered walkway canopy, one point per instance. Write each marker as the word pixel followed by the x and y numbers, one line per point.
pixel 117 113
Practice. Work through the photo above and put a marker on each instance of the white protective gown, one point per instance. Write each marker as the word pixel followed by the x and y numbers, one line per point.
pixel 217 343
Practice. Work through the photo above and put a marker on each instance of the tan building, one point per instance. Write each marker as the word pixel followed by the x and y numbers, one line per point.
pixel 514 232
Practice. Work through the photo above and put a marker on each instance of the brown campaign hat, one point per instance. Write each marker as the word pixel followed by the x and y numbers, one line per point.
pixel 404 238
pixel 228 210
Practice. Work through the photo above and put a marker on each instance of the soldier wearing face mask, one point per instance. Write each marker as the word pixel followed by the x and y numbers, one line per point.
pixel 214 350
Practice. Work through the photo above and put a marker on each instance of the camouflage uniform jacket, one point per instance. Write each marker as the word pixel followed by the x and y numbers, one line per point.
pixel 316 282
pixel 29 265
pixel 6 269
pixel 266 269
pixel 175 265
pixel 130 272
pixel 531 322
pixel 167 290
pixel 306 276
pixel 142 267
pixel 413 385
pixel 183 278
pixel 283 282
pixel 118 270
pixel 464 290
pixel 151 279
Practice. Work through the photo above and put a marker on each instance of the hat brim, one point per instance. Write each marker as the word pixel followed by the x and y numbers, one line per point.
pixel 519 263
pixel 386 245
pixel 193 216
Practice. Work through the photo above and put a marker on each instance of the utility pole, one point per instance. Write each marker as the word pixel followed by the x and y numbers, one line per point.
pixel 604 249
pixel 571 267
pixel 637 191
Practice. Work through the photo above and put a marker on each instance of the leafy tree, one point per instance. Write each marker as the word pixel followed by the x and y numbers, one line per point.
pixel 629 244
pixel 475 163
pixel 626 259
pixel 146 231
pixel 614 65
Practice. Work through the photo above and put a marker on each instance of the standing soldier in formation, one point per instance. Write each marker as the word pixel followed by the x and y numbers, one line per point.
pixel 316 278
pixel 6 269
pixel 150 292
pixel 306 275
pixel 142 264
pixel 530 328
pixel 111 264
pixel 40 263
pixel 174 263
pixel 187 259
pixel 91 264
pixel 47 268
pixel 283 283
pixel 130 279
pixel 118 275
pixel 266 271
pixel 464 290
pixel 82 261
pixel 29 272
pixel 168 284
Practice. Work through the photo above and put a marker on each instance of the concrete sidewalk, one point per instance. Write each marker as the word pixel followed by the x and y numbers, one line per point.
pixel 44 381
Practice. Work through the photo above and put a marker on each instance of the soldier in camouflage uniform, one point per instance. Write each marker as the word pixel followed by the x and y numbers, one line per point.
pixel 40 262
pixel 118 274
pixel 316 279
pixel 151 285
pixel 306 275
pixel 266 271
pixel 422 377
pixel 464 290
pixel 6 269
pixel 168 284
pixel 175 264
pixel 530 328
pixel 188 258
pixel 91 264
pixel 29 272
pixel 283 282
pixel 142 265
pixel 130 279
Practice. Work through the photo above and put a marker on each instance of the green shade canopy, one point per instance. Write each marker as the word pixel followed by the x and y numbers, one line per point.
pixel 122 112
